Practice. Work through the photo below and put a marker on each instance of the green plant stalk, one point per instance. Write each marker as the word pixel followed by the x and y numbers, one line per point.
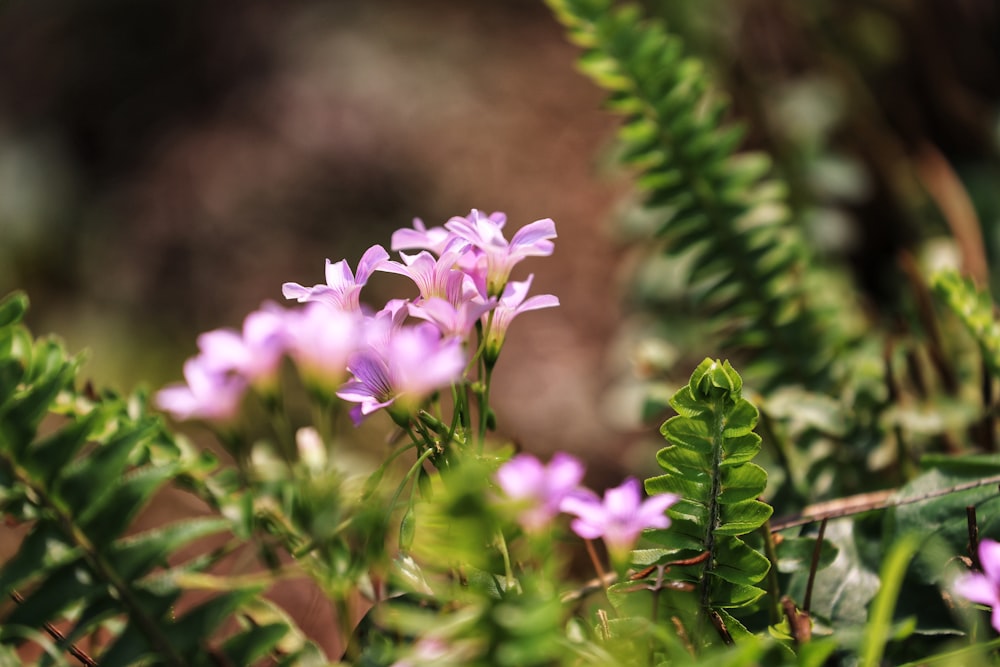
pixel 484 406
pixel 893 570
pixel 773 588
pixel 409 476
pixel 714 509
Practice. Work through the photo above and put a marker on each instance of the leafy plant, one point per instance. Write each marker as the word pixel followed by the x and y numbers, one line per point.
pixel 708 463
pixel 75 470
pixel 717 208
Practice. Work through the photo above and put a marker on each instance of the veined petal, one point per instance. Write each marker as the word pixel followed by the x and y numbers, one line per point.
pixel 533 239
pixel 538 302
pixel 339 275
pixel 369 262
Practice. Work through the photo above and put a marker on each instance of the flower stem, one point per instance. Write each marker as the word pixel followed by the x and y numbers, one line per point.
pixel 592 552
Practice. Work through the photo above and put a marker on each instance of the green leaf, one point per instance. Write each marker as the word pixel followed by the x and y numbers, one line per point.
pixel 737 563
pixel 253 643
pixel 91 480
pixel 44 548
pixel 742 482
pixel 12 308
pixel 707 463
pixel 136 554
pixel 796 553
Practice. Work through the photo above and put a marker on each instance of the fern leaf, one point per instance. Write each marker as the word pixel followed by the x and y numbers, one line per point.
pixel 717 207
pixel 711 442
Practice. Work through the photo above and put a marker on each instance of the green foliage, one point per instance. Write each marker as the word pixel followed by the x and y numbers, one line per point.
pixel 708 464
pixel 975 309
pixel 718 209
pixel 75 471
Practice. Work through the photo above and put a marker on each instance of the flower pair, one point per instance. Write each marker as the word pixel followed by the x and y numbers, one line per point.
pixel 542 492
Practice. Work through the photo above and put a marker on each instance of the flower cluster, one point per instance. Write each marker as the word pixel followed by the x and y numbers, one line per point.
pixel 393 358
pixel 541 492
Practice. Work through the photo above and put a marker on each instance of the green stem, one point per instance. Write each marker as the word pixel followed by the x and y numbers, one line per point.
pixel 409 475
pixel 505 553
pixel 714 509
pixel 773 588
pixel 484 406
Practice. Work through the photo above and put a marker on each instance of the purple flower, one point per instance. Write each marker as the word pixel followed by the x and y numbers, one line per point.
pixel 620 517
pixel 321 339
pixel 208 395
pixel 434 277
pixel 497 257
pixel 511 304
pixel 984 588
pixel 540 489
pixel 399 367
pixel 253 354
pixel 343 288
pixel 453 321
pixel 435 239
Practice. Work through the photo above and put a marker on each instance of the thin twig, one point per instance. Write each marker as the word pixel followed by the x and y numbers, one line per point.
pixel 595 560
pixel 813 566
pixel 970 520
pixel 858 505
pixel 60 637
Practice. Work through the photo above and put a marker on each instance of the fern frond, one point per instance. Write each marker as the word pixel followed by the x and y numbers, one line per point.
pixel 718 207
pixel 708 463
pixel 77 469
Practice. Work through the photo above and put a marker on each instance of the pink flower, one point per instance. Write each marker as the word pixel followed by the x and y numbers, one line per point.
pixel 321 338
pixel 984 588
pixel 255 353
pixel 540 489
pixel 434 277
pixel 435 239
pixel 343 288
pixel 511 304
pixel 453 321
pixel 496 255
pixel 620 517
pixel 399 368
pixel 207 395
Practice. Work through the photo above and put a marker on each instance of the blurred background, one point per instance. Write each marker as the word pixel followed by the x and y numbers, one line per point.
pixel 166 165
